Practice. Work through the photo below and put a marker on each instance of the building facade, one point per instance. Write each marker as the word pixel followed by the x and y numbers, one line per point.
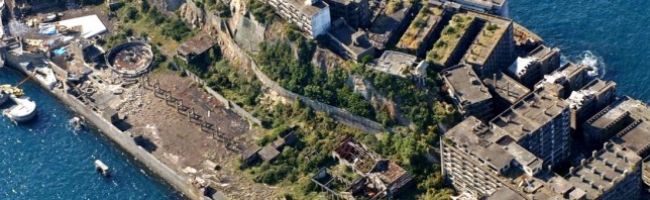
pixel 539 123
pixel 312 16
pixel 355 12
pixel 468 92
pixel 531 68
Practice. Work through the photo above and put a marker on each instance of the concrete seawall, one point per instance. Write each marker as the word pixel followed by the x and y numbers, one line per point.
pixel 126 143
pixel 152 164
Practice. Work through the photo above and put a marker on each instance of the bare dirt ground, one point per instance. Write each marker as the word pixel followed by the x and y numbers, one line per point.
pixel 183 146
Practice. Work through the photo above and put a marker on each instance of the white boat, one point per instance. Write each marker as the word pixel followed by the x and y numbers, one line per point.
pixel 23 111
pixel 102 168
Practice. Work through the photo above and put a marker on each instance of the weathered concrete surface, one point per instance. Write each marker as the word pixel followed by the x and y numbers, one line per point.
pixel 126 143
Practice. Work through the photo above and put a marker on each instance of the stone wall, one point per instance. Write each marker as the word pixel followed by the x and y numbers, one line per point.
pixel 229 104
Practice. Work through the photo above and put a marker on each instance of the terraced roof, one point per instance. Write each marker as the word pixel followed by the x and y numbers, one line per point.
pixel 425 20
pixel 449 38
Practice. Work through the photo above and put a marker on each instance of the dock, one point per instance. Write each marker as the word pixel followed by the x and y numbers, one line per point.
pixel 123 141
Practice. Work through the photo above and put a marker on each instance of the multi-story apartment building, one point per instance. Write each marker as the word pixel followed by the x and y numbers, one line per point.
pixel 592 98
pixel 567 79
pixel 355 12
pixel 540 123
pixel 506 90
pixel 497 7
pixel 424 29
pixel 493 49
pixel 484 164
pixel 623 115
pixel 312 16
pixel 468 92
pixel 531 68
pixel 613 172
pixel 454 40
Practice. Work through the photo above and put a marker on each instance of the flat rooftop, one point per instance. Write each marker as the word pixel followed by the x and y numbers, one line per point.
pixel 474 135
pixel 625 107
pixel 608 166
pixel 635 137
pixel 484 3
pixel 353 40
pixel 590 91
pixel 425 21
pixel 197 44
pixel 486 41
pixel 466 85
pixel 395 63
pixel 568 72
pixel 529 114
pixel 90 25
pixel 309 10
pixel 385 23
pixel 506 87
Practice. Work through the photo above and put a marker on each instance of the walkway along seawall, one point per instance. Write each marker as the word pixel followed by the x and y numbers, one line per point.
pixel 234 52
pixel 125 142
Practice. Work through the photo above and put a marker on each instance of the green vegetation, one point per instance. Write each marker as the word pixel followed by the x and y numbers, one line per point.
pixel 394 5
pixel 278 61
pixel 262 12
pixel 288 62
pixel 451 36
pixel 420 104
pixel 144 20
pixel 485 42
pixel 424 21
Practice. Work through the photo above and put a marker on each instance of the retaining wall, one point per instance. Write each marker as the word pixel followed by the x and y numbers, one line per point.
pixel 233 52
pixel 230 105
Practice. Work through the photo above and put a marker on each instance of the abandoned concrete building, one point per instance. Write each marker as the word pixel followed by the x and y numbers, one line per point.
pixel 568 78
pixel 423 31
pixel 355 12
pixel 395 63
pixel 349 42
pixel 538 117
pixel 496 7
pixel 493 48
pixel 468 92
pixel 587 101
pixel 531 68
pixel 388 26
pixel 311 16
pixel 379 178
pixel 505 89
pixel 195 47
pixel 625 113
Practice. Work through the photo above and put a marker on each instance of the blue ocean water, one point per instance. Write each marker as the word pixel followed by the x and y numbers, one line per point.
pixel 611 34
pixel 45 159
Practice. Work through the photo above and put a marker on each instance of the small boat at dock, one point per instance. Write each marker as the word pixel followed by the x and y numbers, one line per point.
pixel 23 110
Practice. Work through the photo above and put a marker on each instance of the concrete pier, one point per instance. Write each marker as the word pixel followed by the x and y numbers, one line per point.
pixel 152 164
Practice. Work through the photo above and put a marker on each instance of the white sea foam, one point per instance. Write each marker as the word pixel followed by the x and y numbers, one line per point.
pixel 596 64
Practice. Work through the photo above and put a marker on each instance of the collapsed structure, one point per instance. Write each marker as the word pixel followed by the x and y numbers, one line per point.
pixel 378 177
pixel 131 59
